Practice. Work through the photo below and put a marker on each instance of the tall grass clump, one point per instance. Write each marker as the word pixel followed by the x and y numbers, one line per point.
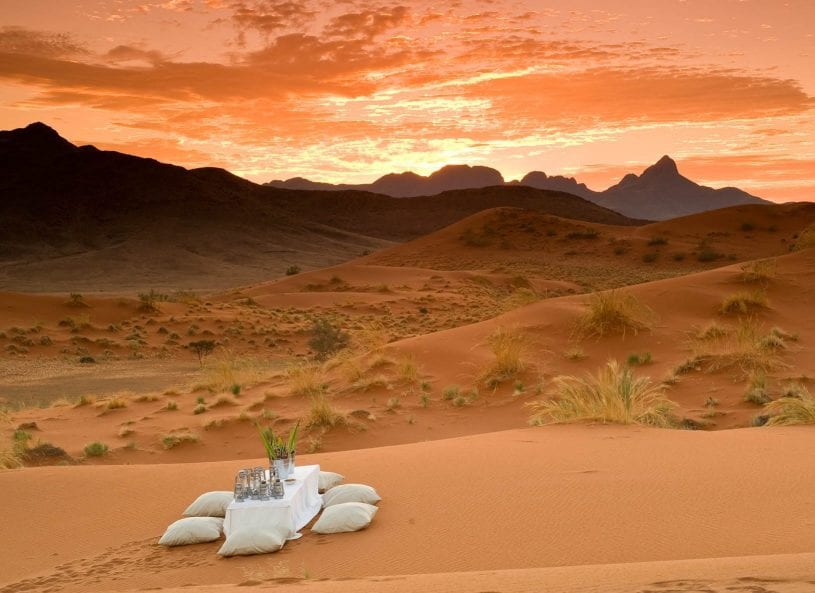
pixel 744 302
pixel 613 313
pixel 806 239
pixel 614 395
pixel 95 449
pixel 795 409
pixel 759 271
pixel 306 379
pixel 227 370
pixel 746 349
pixel 322 413
pixel 508 347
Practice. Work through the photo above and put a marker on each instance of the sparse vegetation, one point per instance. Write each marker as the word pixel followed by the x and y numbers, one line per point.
pixel 171 406
pixel 450 392
pixel 613 395
pixel 327 339
pixel 805 239
pixel 175 439
pixel 650 257
pixel 76 300
pixel 322 413
pixel 656 241
pixel 639 358
pixel 507 346
pixel 744 349
pixel 95 449
pixel 148 301
pixel 574 353
pixel 583 233
pixel 306 379
pixel 202 349
pixel 293 270
pixel 758 391
pixel 743 303
pixel 613 312
pixel 797 409
pixel 761 271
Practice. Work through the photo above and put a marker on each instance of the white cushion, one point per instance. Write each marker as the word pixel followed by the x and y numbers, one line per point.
pixel 192 530
pixel 346 516
pixel 210 504
pixel 328 480
pixel 350 493
pixel 246 541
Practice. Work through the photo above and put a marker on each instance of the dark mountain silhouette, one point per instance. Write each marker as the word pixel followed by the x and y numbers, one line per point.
pixel 661 192
pixel 408 184
pixel 78 218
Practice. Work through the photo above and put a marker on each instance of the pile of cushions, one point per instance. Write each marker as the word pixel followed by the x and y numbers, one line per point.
pixel 346 507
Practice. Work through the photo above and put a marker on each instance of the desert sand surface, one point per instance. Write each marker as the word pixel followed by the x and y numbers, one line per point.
pixel 474 498
pixel 535 498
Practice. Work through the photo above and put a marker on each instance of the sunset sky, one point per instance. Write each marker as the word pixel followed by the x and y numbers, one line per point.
pixel 348 90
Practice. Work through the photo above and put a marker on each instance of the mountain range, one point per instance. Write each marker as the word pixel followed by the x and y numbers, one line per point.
pixel 659 193
pixel 79 218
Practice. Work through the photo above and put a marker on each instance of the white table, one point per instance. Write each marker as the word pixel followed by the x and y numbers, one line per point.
pixel 299 506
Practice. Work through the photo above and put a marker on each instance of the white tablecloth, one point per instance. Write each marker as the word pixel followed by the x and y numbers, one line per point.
pixel 299 506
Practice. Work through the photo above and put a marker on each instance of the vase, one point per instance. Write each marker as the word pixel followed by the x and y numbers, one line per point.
pixel 281 466
pixel 291 464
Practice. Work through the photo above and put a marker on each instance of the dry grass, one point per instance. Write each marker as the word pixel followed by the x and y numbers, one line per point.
pixel 745 349
pixel 307 378
pixel 614 395
pixel 806 239
pixel 116 403
pixel 613 313
pixel 796 409
pixel 758 392
pixel 407 371
pixel 226 370
pixel 744 303
pixel 508 346
pixel 712 331
pixel 760 271
pixel 10 459
pixel 176 439
pixel 322 413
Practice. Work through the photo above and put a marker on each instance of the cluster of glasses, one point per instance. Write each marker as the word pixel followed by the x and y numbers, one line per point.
pixel 257 484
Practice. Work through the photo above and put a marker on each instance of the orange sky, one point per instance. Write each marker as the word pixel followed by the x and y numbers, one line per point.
pixel 347 90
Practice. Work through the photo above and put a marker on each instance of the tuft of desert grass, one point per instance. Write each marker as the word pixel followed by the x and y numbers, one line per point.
pixel 226 370
pixel 116 403
pixel 306 378
pixel 508 346
pixel 175 439
pixel 322 414
pixel 758 391
pixel 125 431
pixel 798 409
pixel 712 331
pixel 408 371
pixel 744 302
pixel 10 459
pixel 806 239
pixel 614 395
pixel 613 313
pixel 574 353
pixel 761 271
pixel 95 449
pixel 84 400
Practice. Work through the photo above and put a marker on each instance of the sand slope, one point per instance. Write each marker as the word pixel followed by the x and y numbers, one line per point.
pixel 530 498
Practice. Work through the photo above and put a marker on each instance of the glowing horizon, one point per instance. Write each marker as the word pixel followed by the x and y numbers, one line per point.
pixel 347 91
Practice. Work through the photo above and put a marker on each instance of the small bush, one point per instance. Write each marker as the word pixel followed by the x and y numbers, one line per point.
pixel 424 400
pixel 327 339
pixel 785 411
pixel 650 257
pixel 507 346
pixel 199 409
pixel 678 256
pixel 613 312
pixel 322 413
pixel 805 239
pixel 235 389
pixel 96 449
pixel 762 270
pixel 175 439
pixel 450 392
pixel 116 403
pixel 758 392
pixel 747 227
pixel 742 303
pixel 148 301
pixel 583 233
pixel 202 349
pixel 639 358
pixel 76 300
pixel 293 270
pixel 394 403
pixel 87 359
pixel 574 353
pixel 613 395
pixel 655 241
pixel 171 406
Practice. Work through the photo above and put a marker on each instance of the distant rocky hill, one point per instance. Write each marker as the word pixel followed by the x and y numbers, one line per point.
pixel 78 218
pixel 660 193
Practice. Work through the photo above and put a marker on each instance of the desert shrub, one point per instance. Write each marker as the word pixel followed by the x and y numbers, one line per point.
pixel 507 346
pixel 639 358
pixel 613 312
pixel 758 391
pixel 799 409
pixel 327 339
pixel 450 392
pixel 655 241
pixel 614 395
pixel 744 350
pixel 175 439
pixel 148 301
pixel 293 270
pixel 742 303
pixel 95 449
pixel 650 257
pixel 583 233
pixel 235 389
pixel 747 227
pixel 202 349
pixel 322 413
pixel 306 379
pixel 126 431
pixel 408 371
pixel 87 359
pixel 762 270
pixel 574 353
pixel 76 300
pixel 393 404
pixel 706 253
pixel 424 399
pixel 712 331
pixel 199 409
pixel 116 403
pixel 805 239
pixel 171 406
pixel 678 256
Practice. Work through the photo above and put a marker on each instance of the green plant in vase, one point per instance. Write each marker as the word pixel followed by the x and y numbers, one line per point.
pixel 280 451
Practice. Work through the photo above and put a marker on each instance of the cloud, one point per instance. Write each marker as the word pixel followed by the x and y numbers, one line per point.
pixel 367 24
pixel 17 40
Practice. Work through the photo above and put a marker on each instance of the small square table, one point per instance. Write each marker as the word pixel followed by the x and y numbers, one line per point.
pixel 298 506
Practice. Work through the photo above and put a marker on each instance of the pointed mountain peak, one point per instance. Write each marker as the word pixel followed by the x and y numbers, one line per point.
pixel 664 167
